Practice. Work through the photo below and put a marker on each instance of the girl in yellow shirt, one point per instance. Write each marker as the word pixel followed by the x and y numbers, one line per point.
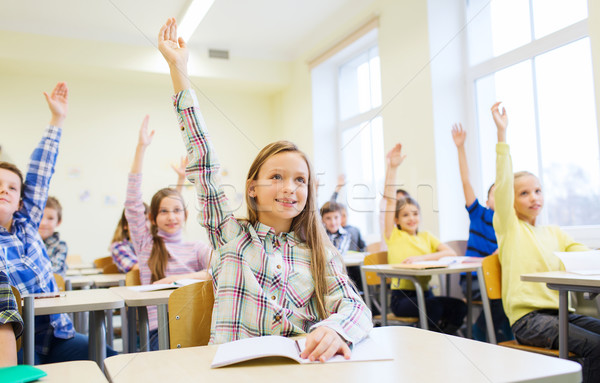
pixel 407 245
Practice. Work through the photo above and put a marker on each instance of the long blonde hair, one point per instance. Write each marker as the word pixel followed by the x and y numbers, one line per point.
pixel 306 225
pixel 159 256
pixel 122 230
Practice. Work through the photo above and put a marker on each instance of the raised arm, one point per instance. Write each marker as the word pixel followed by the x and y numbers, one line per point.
pixel 144 140
pixel 175 51
pixel 459 136
pixel 180 170
pixel 394 158
pixel 203 167
pixel 43 158
pixel 505 214
pixel 341 182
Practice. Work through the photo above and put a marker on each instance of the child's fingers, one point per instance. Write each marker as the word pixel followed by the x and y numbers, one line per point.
pixel 329 352
pixel 321 347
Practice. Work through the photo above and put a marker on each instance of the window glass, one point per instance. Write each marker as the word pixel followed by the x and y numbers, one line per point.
pixel 551 15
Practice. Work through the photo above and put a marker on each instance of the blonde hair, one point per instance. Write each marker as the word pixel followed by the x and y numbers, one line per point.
pixel 122 230
pixel 306 225
pixel 523 173
pixel 402 202
pixel 159 256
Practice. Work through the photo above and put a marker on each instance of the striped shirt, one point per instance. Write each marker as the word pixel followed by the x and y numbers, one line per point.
pixel 262 281
pixel 123 255
pixel 23 255
pixel 482 237
pixel 185 257
pixel 9 313
pixel 57 252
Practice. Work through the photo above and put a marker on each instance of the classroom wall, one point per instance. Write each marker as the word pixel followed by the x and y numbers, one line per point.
pixel 100 134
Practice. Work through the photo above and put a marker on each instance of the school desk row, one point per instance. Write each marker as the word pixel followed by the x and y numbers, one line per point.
pixel 418 356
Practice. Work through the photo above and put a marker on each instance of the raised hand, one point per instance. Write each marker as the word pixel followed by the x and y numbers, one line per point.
pixel 395 157
pixel 145 137
pixel 173 49
pixel 459 135
pixel 180 169
pixel 58 102
pixel 501 120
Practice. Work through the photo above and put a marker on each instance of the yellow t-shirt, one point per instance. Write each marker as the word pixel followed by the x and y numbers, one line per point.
pixel 402 245
pixel 524 248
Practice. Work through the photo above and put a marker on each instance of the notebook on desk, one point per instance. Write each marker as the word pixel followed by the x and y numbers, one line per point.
pixel 419 266
pixel 581 262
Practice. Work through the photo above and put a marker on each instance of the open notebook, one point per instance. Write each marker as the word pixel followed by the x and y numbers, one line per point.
pixel 274 346
pixel 581 262
pixel 439 264
pixel 165 286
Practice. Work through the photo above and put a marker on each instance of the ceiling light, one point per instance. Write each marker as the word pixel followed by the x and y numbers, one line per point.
pixel 193 17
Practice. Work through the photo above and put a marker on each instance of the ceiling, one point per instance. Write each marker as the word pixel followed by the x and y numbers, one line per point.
pixel 260 29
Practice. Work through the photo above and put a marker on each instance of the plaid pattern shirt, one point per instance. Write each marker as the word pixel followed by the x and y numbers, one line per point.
pixel 57 252
pixel 263 283
pixel 23 254
pixel 9 313
pixel 123 255
pixel 341 240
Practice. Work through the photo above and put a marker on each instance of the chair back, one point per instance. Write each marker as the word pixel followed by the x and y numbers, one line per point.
pixel 17 295
pixel 60 282
pixel 379 258
pixel 190 314
pixel 492 275
pixel 111 269
pixel 107 265
pixel 132 278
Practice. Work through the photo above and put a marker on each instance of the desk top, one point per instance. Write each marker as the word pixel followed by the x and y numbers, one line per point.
pixel 388 270
pixel 79 266
pixel 563 278
pixel 134 298
pixel 354 258
pixel 72 372
pixel 107 280
pixel 420 356
pixel 90 271
pixel 77 301
pixel 79 281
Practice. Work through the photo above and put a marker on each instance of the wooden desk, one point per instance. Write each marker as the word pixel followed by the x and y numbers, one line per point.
pixel 140 301
pixel 419 356
pixel 90 271
pixel 94 301
pixel 387 271
pixel 107 280
pixel 72 372
pixel 354 259
pixel 565 282
pixel 79 266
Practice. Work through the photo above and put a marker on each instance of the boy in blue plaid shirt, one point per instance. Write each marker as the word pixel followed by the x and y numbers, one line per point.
pixel 23 255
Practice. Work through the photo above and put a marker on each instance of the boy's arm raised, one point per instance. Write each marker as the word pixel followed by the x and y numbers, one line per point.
pixel 43 158
pixel 459 136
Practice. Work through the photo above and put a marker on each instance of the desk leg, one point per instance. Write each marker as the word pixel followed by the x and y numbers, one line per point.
pixel 383 300
pixel 420 302
pixel 28 331
pixel 99 332
pixel 144 336
pixel 491 333
pixel 563 324
pixel 163 327
pixel 131 330
pixel 91 336
pixel 469 305
pixel 124 329
pixel 109 327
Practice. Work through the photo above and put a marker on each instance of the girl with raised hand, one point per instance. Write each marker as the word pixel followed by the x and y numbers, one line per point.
pixel 525 247
pixel 163 255
pixel 406 244
pixel 274 273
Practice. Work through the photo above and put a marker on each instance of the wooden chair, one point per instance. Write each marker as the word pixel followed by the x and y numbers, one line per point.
pixel 60 282
pixel 17 295
pixel 106 264
pixel 190 314
pixel 132 278
pixel 492 275
pixel 371 282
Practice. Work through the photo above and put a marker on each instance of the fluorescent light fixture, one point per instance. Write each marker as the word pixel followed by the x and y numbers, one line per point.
pixel 193 17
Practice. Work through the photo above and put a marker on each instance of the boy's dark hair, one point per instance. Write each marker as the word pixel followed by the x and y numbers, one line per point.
pixel 331 207
pixel 13 168
pixel 403 192
pixel 52 203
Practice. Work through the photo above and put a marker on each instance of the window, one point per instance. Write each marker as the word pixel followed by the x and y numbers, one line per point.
pixel 535 57
pixel 348 130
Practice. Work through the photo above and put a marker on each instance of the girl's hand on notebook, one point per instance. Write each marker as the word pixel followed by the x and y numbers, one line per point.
pixel 414 259
pixel 167 280
pixel 323 343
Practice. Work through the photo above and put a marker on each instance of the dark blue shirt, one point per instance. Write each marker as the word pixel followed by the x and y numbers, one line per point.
pixel 482 237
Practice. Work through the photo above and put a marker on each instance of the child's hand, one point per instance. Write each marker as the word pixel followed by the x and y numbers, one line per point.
pixel 323 343
pixel 58 103
pixel 341 181
pixel 166 280
pixel 416 258
pixel 501 121
pixel 145 138
pixel 458 135
pixel 395 157
pixel 173 49
pixel 180 169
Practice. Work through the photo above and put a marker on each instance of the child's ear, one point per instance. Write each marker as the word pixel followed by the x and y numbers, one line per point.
pixel 251 187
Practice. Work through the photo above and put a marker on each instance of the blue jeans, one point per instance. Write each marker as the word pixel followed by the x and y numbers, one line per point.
pixel 540 328
pixel 153 340
pixel 444 314
pixel 65 350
